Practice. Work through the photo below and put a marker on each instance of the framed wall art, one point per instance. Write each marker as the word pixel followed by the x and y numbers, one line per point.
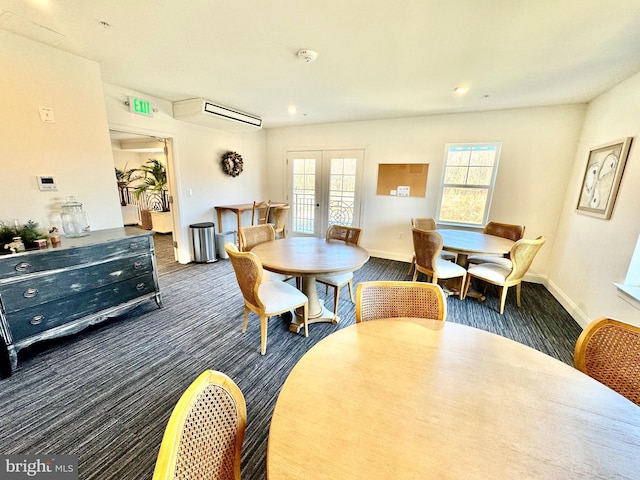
pixel 602 176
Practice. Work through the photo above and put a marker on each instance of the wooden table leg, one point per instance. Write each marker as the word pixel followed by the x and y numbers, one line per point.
pixel 219 212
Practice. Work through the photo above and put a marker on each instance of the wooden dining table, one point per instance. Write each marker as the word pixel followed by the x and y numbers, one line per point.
pixel 464 243
pixel 416 399
pixel 307 257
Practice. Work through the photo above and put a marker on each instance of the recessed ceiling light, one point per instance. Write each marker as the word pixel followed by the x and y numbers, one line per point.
pixel 460 89
pixel 292 109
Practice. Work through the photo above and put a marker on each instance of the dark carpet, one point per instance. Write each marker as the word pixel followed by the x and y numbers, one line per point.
pixel 106 393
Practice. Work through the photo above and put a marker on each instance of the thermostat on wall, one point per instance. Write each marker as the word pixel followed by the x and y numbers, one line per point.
pixel 47 184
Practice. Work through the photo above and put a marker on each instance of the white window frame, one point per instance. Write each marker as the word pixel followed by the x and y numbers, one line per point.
pixel 490 188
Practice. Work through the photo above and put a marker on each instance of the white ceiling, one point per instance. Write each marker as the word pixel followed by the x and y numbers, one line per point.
pixel 377 58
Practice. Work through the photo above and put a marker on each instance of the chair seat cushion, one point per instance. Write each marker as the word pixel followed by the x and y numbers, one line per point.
pixel 279 296
pixel 447 269
pixel 502 261
pixel 268 276
pixel 335 280
pixel 490 271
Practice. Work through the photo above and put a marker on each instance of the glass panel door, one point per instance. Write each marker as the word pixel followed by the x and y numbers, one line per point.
pixel 326 189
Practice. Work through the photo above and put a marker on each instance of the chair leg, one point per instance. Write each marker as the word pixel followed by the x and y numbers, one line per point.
pixel 466 286
pixel 413 262
pixel 305 318
pixel 503 298
pixel 415 275
pixel 264 322
pixel 246 319
pixel 350 284
pixel 336 297
pixel 463 287
pixel 518 293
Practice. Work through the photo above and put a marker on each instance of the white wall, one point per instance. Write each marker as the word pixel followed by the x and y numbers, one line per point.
pixel 196 179
pixel 538 148
pixel 75 149
pixel 591 253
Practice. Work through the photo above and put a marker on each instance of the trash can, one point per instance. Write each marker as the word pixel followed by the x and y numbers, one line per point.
pixel 204 247
pixel 221 239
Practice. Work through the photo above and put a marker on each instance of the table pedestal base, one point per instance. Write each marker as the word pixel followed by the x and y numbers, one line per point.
pixel 317 311
pixel 326 315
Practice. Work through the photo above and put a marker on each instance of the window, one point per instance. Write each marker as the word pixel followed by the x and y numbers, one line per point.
pixel 468 177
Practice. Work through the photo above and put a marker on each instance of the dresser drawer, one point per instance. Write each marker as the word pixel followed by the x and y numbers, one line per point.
pixel 31 321
pixel 16 265
pixel 37 289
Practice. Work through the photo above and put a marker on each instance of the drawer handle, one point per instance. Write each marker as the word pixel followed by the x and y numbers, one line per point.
pixel 23 267
pixel 133 245
pixel 138 265
pixel 30 293
pixel 37 320
pixel 140 286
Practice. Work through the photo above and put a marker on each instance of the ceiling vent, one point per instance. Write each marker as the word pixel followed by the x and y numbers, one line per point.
pixel 209 114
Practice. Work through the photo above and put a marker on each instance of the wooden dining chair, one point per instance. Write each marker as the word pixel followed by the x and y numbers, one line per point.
pixel 391 299
pixel 521 256
pixel 427 223
pixel 504 230
pixel 204 435
pixel 348 235
pixel 609 351
pixel 427 245
pixel 280 220
pixel 249 237
pixel 265 299
pixel 260 212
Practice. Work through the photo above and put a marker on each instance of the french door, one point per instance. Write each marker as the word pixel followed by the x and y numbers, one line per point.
pixel 326 189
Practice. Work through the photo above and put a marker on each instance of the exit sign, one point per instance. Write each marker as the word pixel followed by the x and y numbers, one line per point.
pixel 140 106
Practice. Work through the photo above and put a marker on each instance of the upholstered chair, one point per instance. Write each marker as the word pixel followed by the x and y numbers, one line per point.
pixel 204 435
pixel 249 237
pixel 427 245
pixel 391 299
pixel 521 256
pixel 265 299
pixel 609 351
pixel 427 223
pixel 280 220
pixel 348 235
pixel 504 230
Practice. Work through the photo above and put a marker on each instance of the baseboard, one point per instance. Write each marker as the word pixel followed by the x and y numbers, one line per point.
pixel 573 310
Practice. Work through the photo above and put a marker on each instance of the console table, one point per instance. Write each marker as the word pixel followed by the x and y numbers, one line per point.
pixel 59 291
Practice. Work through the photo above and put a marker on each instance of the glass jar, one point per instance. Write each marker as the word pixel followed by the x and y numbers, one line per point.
pixel 75 222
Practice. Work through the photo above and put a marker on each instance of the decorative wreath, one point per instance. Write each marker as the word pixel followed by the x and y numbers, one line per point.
pixel 232 163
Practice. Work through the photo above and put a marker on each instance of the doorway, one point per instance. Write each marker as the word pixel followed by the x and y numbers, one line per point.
pixel 142 168
pixel 326 189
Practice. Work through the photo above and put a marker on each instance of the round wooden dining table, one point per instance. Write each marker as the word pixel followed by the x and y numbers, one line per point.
pixel 465 243
pixel 308 257
pixel 415 399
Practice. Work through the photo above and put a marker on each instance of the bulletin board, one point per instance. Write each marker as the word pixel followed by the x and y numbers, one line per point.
pixel 402 179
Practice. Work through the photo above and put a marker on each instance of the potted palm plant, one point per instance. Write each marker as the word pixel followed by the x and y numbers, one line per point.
pixel 124 177
pixel 153 183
